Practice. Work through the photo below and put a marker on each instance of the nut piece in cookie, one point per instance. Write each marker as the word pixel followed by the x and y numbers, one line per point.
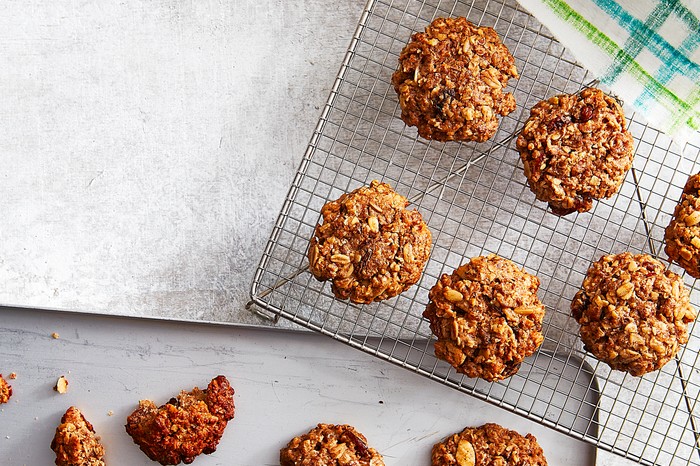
pixel 683 233
pixel 486 316
pixel 369 245
pixel 488 445
pixel 5 390
pixel 575 148
pixel 330 445
pixel 634 314
pixel 451 81
pixel 75 442
pixel 184 427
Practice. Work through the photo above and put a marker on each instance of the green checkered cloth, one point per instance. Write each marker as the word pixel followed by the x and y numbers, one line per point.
pixel 646 51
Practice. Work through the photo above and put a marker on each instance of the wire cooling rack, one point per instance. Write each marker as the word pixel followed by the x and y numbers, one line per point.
pixel 475 200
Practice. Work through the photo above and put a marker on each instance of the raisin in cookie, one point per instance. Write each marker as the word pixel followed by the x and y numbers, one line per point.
pixel 451 80
pixel 75 442
pixel 184 427
pixel 5 390
pixel 574 149
pixel 488 445
pixel 634 314
pixel 487 317
pixel 330 445
pixel 683 233
pixel 369 245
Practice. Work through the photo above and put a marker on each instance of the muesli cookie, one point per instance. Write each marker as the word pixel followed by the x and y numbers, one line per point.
pixel 633 312
pixel 5 390
pixel 184 427
pixel 488 445
pixel 683 233
pixel 330 445
pixel 575 148
pixel 75 442
pixel 451 81
pixel 487 317
pixel 369 245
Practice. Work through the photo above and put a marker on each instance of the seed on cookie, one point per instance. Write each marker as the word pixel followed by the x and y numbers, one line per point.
pixel 633 312
pixel 575 148
pixel 451 79
pixel 489 444
pixel 369 245
pixel 487 317
pixel 330 445
pixel 682 234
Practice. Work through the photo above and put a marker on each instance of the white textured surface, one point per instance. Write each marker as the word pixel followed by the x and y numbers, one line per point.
pixel 285 383
pixel 147 146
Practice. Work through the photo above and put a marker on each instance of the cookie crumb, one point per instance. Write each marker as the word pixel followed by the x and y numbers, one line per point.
pixel 55 336
pixel 13 375
pixel 5 390
pixel 61 385
pixel 75 441
pixel 110 413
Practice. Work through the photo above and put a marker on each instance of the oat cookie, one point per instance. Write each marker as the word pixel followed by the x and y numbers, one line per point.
pixel 634 314
pixel 575 148
pixel 488 445
pixel 369 244
pixel 184 427
pixel 487 317
pixel 451 80
pixel 330 445
pixel 5 390
pixel 683 233
pixel 75 442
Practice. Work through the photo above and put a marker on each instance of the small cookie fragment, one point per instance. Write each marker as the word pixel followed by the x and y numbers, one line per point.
pixel 75 442
pixel 55 336
pixel 330 445
pixel 487 317
pixel 61 385
pixel 369 245
pixel 184 427
pixel 633 312
pixel 5 390
pixel 488 445
pixel 451 80
pixel 682 234
pixel 575 148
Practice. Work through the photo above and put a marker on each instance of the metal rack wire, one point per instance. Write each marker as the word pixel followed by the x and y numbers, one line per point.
pixel 475 200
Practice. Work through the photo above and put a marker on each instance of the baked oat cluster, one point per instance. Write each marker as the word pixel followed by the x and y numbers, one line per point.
pixel 451 81
pixel 634 314
pixel 488 445
pixel 330 445
pixel 575 148
pixel 683 233
pixel 75 442
pixel 487 317
pixel 184 427
pixel 369 245
pixel 5 390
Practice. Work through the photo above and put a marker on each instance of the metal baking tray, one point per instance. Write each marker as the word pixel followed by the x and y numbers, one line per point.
pixel 475 200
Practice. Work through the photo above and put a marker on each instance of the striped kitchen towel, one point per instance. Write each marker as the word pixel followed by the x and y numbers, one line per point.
pixel 646 51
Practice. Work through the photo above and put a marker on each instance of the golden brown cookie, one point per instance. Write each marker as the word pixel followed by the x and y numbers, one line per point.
pixel 5 390
pixel 683 233
pixel 487 317
pixel 634 314
pixel 330 445
pixel 184 427
pixel 575 148
pixel 451 81
pixel 488 445
pixel 369 245
pixel 75 442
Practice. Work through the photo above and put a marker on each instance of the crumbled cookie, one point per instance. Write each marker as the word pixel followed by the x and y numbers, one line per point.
pixel 634 314
pixel 486 316
pixel 488 445
pixel 330 445
pixel 575 148
pixel 75 442
pixel 61 385
pixel 5 390
pixel 682 235
pixel 184 427
pixel 451 81
pixel 369 244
